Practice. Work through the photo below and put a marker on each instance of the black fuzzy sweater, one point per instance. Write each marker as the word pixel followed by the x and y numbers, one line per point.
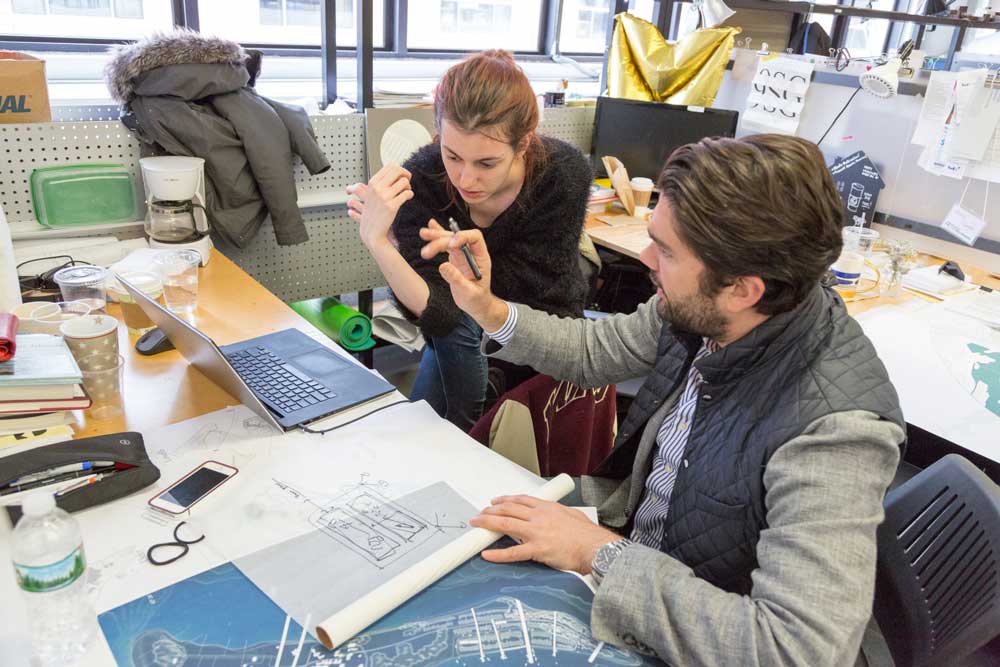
pixel 534 244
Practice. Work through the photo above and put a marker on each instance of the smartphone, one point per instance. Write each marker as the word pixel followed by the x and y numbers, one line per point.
pixel 192 487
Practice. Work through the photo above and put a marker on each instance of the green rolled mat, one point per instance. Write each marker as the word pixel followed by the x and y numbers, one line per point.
pixel 351 329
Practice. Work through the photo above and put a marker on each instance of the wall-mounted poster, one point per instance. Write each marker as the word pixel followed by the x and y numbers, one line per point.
pixel 858 181
pixel 778 94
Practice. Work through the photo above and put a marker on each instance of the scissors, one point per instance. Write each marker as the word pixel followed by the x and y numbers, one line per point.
pixel 178 543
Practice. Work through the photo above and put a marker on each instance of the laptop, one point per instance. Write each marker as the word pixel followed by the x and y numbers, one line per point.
pixel 286 377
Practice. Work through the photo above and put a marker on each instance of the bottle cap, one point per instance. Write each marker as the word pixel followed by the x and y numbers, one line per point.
pixel 38 504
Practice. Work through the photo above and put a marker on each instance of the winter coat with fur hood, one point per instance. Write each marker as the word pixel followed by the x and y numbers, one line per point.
pixel 189 94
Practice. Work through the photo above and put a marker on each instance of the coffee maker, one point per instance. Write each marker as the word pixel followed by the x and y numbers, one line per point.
pixel 175 204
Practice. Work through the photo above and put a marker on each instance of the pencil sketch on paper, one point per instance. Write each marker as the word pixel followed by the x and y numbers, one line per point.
pixel 368 523
pixel 209 436
pixel 360 538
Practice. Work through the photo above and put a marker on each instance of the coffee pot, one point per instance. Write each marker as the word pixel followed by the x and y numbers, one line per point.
pixel 175 203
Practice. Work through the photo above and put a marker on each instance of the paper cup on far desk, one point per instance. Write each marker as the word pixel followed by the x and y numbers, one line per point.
pixel 93 340
pixel 642 190
pixel 358 615
pixel 104 382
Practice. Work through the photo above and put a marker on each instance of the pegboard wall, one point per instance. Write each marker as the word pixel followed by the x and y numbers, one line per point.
pixel 333 261
pixel 33 145
pixel 574 125
pixel 67 114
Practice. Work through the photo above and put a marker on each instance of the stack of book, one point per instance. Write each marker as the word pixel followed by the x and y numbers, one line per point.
pixel 35 399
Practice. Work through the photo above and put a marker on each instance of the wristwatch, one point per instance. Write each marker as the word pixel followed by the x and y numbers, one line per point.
pixel 605 557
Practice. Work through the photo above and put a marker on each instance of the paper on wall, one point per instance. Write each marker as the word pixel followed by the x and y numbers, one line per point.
pixel 778 94
pixel 977 117
pixel 963 224
pixel 934 109
pixel 956 116
pixel 988 169
pixel 932 160
pixel 745 64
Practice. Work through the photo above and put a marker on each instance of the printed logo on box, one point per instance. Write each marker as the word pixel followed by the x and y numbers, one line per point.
pixel 14 104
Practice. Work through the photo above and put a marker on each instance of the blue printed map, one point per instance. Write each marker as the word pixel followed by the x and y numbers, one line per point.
pixel 509 615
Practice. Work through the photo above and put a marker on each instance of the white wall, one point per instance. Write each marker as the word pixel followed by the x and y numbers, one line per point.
pixel 882 128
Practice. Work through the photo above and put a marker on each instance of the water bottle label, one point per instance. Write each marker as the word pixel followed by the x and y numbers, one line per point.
pixel 46 578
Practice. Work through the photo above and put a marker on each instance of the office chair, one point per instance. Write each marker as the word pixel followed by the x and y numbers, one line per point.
pixel 937 590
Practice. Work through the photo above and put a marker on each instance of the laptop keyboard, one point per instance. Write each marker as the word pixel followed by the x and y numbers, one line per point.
pixel 284 388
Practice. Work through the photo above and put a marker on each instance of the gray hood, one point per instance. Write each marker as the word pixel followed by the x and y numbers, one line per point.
pixel 130 61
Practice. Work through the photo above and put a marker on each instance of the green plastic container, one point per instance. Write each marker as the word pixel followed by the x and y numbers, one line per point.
pixel 83 194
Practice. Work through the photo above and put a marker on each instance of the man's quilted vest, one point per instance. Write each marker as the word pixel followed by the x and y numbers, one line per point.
pixel 757 394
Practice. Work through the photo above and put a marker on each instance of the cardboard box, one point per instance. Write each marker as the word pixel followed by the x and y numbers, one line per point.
pixel 24 93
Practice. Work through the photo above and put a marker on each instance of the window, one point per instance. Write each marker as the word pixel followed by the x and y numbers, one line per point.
pixel 293 22
pixel 643 9
pixel 464 25
pixel 866 37
pixel 688 20
pixel 101 19
pixel 980 40
pixel 584 26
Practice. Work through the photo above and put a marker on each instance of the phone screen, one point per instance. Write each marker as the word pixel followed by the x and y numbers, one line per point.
pixel 194 487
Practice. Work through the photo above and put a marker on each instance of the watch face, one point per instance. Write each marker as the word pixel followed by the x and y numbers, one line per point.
pixel 605 557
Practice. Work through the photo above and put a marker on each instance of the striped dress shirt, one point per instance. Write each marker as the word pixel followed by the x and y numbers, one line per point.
pixel 671 441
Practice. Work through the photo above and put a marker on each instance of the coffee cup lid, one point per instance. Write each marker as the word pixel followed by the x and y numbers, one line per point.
pixel 80 275
pixel 144 281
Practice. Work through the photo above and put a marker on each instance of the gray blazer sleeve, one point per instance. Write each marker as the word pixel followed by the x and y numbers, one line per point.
pixel 588 353
pixel 813 588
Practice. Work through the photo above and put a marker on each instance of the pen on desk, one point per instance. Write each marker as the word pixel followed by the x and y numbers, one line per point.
pixel 453 226
pixel 985 288
pixel 52 472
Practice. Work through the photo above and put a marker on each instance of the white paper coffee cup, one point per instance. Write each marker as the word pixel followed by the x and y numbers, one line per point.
pixel 642 190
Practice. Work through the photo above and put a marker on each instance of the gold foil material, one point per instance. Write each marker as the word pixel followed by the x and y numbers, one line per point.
pixel 642 65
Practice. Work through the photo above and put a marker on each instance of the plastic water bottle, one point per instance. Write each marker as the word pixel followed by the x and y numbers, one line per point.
pixel 50 567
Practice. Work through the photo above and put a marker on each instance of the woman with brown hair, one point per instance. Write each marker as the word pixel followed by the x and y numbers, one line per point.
pixel 487 169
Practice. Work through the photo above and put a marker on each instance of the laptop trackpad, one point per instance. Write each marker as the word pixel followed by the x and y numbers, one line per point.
pixel 318 363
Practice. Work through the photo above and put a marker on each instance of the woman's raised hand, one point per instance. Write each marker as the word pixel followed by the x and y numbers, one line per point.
pixel 374 205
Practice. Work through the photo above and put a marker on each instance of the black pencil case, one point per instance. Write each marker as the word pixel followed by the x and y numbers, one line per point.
pixel 124 448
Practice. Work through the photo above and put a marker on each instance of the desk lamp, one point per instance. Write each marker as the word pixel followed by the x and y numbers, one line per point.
pixel 883 81
pixel 713 12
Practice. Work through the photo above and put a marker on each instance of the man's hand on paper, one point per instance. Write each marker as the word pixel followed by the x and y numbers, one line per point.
pixel 553 534
pixel 471 295
pixel 374 205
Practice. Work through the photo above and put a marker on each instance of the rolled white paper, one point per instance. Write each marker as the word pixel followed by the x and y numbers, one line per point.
pixel 361 613
pixel 10 289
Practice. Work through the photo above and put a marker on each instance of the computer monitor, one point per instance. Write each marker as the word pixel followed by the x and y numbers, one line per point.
pixel 643 134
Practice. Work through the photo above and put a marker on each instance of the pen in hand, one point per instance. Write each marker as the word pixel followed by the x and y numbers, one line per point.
pixel 453 226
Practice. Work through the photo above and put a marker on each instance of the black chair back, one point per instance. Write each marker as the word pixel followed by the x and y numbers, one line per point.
pixel 937 592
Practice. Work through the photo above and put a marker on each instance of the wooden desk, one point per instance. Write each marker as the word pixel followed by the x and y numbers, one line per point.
pixel 163 389
pixel 630 240
pixel 627 240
